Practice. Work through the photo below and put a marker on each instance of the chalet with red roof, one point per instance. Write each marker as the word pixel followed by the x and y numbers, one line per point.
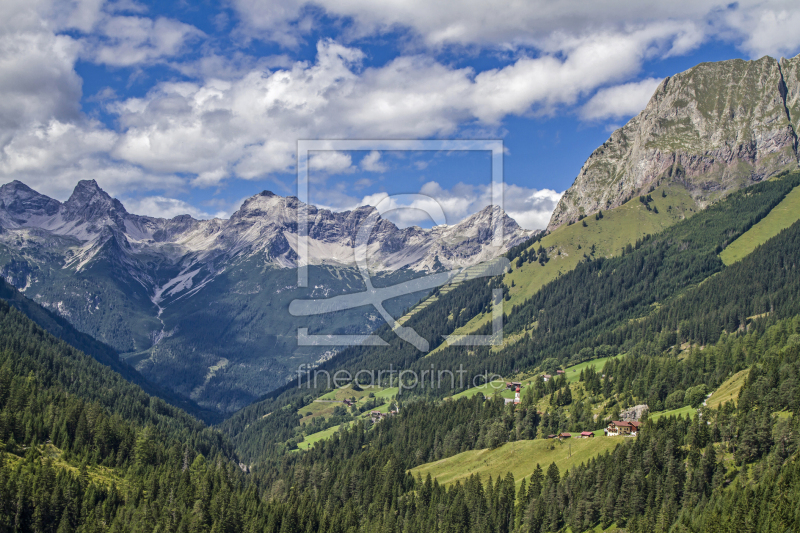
pixel 622 428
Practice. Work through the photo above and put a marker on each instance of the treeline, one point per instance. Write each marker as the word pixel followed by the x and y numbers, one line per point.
pixel 62 329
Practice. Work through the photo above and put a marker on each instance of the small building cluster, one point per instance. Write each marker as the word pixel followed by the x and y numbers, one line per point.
pixel 348 402
pixel 377 416
pixel 565 435
pixel 548 377
pixel 624 428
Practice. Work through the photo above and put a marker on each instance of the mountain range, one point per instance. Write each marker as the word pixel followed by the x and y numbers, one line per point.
pixel 648 377
pixel 201 306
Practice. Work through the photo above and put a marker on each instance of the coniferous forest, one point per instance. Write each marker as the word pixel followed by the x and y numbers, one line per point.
pixel 86 450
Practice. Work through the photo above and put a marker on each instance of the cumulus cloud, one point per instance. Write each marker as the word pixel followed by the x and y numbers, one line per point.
pixel 330 162
pixel 122 41
pixel 372 162
pixel 240 117
pixel 769 28
pixel 37 79
pixel 247 126
pixel 620 101
pixel 45 140
pixel 759 27
pixel 531 208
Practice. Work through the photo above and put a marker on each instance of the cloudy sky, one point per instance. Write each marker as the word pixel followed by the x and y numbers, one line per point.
pixel 189 107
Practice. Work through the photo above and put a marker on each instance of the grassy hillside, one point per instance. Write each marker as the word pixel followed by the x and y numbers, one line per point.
pixel 728 391
pixel 310 440
pixel 783 216
pixel 568 245
pixel 520 458
pixel 325 405
pixel 574 372
pixel 683 411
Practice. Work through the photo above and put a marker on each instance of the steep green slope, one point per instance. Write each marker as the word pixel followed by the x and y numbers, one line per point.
pixel 784 215
pixel 60 328
pixel 520 458
pixel 81 449
pixel 570 244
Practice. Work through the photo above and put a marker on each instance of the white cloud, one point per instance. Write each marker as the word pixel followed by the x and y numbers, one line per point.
pixel 330 162
pixel 372 162
pixel 241 116
pixel 45 140
pixel 620 101
pixel 248 126
pixel 123 41
pixel 760 27
pixel 162 207
pixel 37 79
pixel 531 208
pixel 768 28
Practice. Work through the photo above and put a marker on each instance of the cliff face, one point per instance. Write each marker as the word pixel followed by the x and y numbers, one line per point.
pixel 715 128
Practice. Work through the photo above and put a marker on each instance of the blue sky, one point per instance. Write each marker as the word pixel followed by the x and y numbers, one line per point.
pixel 178 107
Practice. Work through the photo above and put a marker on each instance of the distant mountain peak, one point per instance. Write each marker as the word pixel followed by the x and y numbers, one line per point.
pixel 20 200
pixel 89 202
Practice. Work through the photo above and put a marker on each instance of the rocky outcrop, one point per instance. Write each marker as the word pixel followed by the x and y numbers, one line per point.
pixel 715 128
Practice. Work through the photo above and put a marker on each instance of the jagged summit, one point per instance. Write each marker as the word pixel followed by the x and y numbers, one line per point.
pixel 16 198
pixel 90 203
pixel 715 128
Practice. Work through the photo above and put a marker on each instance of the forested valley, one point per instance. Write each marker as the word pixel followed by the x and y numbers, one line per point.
pixel 85 450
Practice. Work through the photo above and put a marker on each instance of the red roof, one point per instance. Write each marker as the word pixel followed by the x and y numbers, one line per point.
pixel 635 424
pixel 565 435
pixel 586 433
pixel 621 423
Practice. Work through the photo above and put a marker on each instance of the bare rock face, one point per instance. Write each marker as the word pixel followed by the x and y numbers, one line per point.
pixel 715 128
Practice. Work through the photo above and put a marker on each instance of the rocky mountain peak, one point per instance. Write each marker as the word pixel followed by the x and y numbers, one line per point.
pixel 715 128
pixel 90 203
pixel 20 200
